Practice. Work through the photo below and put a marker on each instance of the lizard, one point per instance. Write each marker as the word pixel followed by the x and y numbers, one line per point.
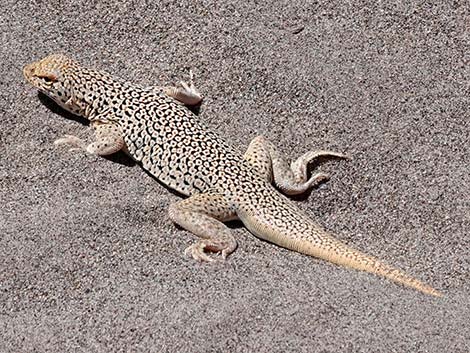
pixel 155 127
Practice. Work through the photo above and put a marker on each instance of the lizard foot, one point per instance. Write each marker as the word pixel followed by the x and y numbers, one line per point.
pixel 76 143
pixel 318 178
pixel 190 90
pixel 199 250
pixel 187 94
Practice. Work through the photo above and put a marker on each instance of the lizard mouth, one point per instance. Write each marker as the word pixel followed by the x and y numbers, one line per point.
pixel 27 70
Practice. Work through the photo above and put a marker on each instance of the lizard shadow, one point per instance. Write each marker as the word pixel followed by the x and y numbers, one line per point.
pixel 57 109
pixel 235 224
pixel 195 109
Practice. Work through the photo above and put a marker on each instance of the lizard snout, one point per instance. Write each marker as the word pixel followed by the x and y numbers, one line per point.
pixel 28 71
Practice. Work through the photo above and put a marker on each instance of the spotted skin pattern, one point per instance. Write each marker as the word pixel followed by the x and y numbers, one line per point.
pixel 153 125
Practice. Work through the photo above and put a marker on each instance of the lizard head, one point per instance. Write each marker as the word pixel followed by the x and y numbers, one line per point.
pixel 52 76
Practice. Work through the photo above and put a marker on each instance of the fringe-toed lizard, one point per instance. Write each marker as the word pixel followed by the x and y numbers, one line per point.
pixel 155 128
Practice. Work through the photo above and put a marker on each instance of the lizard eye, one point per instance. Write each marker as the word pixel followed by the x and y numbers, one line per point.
pixel 48 78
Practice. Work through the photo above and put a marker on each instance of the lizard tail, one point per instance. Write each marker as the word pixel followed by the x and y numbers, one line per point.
pixel 280 222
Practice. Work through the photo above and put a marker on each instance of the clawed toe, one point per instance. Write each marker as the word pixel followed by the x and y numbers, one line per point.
pixel 191 91
pixel 319 177
pixel 199 251
pixel 196 251
pixel 338 155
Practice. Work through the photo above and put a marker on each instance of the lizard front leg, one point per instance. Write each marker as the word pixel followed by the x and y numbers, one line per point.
pixel 202 215
pixel 187 94
pixel 291 179
pixel 108 140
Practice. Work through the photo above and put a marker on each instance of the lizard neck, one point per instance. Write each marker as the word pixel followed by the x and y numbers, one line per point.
pixel 92 95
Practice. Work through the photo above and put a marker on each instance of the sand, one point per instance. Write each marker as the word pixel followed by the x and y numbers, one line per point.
pixel 90 262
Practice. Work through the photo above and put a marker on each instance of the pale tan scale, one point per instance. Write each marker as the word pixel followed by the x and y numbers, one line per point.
pixel 155 128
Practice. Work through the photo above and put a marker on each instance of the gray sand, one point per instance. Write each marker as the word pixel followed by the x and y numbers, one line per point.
pixel 88 258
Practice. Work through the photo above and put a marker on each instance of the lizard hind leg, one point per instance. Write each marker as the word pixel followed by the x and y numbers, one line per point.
pixel 272 165
pixel 258 156
pixel 202 215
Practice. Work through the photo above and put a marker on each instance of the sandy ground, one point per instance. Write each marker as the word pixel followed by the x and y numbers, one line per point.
pixel 89 260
